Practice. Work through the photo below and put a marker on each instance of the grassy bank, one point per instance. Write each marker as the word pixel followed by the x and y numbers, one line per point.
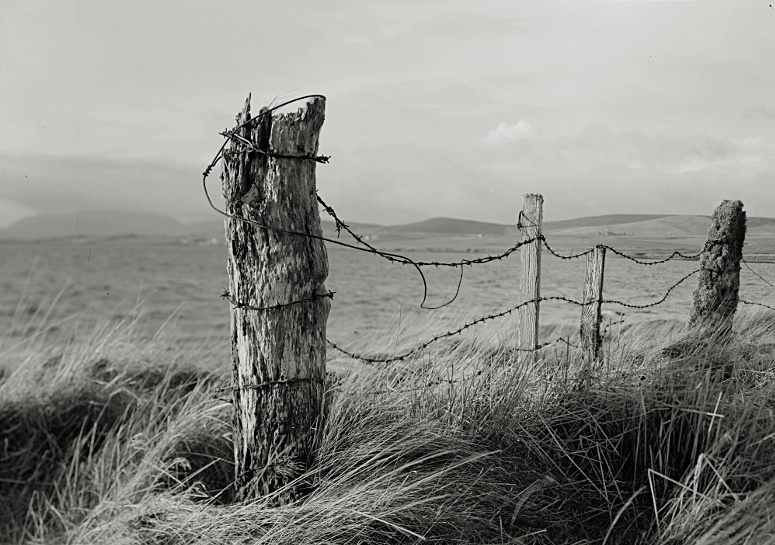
pixel 108 439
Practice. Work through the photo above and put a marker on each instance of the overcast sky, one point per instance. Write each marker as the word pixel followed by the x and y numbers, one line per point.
pixel 434 108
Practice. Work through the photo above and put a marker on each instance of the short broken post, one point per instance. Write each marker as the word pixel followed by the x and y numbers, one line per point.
pixel 279 308
pixel 591 312
pixel 716 296
pixel 530 221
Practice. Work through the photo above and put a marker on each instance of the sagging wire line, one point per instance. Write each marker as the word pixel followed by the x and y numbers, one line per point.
pixel 404 260
pixel 756 304
pixel 391 256
pixel 657 262
pixel 664 297
pixel 340 225
pixel 454 332
pixel 757 274
pixel 219 155
pixel 477 321
pixel 620 254
pixel 398 258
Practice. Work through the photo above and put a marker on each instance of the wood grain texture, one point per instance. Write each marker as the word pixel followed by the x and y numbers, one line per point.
pixel 591 312
pixel 530 275
pixel 275 424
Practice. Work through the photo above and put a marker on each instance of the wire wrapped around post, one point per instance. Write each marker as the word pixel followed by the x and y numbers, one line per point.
pixel 279 304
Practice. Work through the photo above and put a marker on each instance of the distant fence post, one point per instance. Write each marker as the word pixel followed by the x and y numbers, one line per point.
pixel 716 296
pixel 278 354
pixel 530 222
pixel 591 312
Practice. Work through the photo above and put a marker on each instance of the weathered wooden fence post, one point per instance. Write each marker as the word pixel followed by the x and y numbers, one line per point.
pixel 278 354
pixel 530 221
pixel 716 296
pixel 591 312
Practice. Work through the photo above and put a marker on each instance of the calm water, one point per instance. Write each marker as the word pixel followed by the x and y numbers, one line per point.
pixel 110 281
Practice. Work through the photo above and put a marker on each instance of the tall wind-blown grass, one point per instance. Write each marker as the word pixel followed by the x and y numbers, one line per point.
pixel 106 438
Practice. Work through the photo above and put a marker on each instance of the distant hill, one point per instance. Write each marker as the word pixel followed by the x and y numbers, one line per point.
pixel 761 226
pixel 113 224
pixel 656 227
pixel 599 221
pixel 92 224
pixel 204 228
pixel 451 226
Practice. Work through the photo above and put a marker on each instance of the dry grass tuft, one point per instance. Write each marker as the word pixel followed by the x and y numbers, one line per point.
pixel 106 440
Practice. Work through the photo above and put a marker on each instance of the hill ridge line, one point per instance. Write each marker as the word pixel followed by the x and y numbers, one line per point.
pixel 115 223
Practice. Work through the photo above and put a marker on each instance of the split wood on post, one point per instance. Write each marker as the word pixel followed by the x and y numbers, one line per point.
pixel 530 221
pixel 278 350
pixel 591 312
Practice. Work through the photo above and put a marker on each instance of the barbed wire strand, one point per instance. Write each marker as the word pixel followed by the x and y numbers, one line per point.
pixel 561 256
pixel 415 350
pixel 487 259
pixel 453 332
pixel 369 248
pixel 757 274
pixel 619 253
pixel 393 257
pixel 226 295
pixel 662 300
pixel 656 262
pixel 219 155
pixel 609 326
pixel 404 260
pixel 755 304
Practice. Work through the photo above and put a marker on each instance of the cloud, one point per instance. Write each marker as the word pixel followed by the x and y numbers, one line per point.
pixel 600 170
pixel 505 132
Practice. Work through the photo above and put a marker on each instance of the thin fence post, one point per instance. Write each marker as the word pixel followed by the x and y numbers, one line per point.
pixel 530 221
pixel 278 354
pixel 716 296
pixel 591 312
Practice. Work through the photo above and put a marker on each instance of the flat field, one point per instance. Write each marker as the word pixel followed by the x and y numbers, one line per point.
pixel 115 417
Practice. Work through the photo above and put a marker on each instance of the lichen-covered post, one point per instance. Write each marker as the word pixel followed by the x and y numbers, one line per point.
pixel 716 296
pixel 278 354
pixel 530 222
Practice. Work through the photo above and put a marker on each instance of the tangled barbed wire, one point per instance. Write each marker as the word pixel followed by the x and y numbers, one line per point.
pixel 361 244
pixel 365 246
